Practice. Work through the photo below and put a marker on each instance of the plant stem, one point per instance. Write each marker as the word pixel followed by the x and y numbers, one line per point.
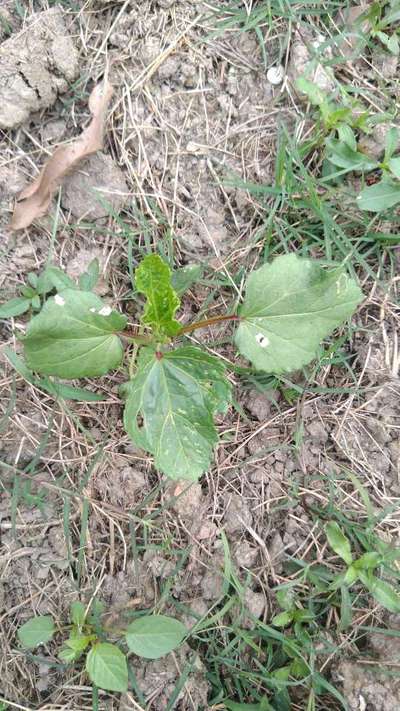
pixel 207 322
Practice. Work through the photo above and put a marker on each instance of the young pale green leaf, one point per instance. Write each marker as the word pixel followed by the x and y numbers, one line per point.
pixel 153 279
pixel 368 561
pixel 176 395
pixel 68 655
pixel 182 279
pixel 77 612
pixel 338 541
pixel 74 336
pixel 264 705
pixel 341 155
pixel 391 143
pixel 351 575
pixel 153 636
pixel 383 593
pixel 55 278
pixel 394 165
pixel 79 642
pixel 379 197
pixel 88 280
pixel 283 619
pixel 15 307
pixel 313 92
pixel 38 630
pixel 289 307
pixel 107 667
pixel 346 610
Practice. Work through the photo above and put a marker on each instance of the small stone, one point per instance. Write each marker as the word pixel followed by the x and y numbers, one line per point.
pixel 187 504
pixel 237 514
pixel 53 131
pixel 260 404
pixel 245 555
pixel 212 584
pixel 255 602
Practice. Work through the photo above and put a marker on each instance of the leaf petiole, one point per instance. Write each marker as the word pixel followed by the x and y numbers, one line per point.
pixel 207 322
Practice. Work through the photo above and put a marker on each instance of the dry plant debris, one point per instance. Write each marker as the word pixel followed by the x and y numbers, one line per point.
pixel 35 199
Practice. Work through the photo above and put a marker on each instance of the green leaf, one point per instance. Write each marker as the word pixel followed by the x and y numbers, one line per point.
pixel 368 561
pixel 153 636
pixel 289 307
pixel 68 392
pixel 383 593
pixel 77 612
pixel 54 278
pixel 347 136
pixel 264 705
pixel 68 655
pixel 346 610
pixel 351 575
pixel 341 155
pixel 38 630
pixel 391 143
pixel 285 598
pixel 88 280
pixel 176 395
pixel 314 94
pixel 107 667
pixel 153 278
pixel 391 42
pixel 74 336
pixel 283 619
pixel 79 642
pixel 338 541
pixel 378 197
pixel 14 307
pixel 394 165
pixel 182 279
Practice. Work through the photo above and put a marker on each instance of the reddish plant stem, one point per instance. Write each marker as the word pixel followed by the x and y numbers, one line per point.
pixel 207 322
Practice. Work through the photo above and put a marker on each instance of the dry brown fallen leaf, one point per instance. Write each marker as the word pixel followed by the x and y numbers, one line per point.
pixel 35 199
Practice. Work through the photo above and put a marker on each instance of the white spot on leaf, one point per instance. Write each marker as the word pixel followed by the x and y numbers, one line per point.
pixel 59 300
pixel 262 340
pixel 92 310
pixel 105 311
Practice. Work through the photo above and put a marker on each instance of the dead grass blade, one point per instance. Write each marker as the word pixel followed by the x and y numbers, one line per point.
pixel 35 199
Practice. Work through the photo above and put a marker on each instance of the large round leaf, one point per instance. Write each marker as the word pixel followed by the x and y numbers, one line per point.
pixel 74 336
pixel 153 636
pixel 107 667
pixel 289 307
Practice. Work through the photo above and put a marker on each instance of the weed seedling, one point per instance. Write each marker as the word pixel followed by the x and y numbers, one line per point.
pixel 175 388
pixel 149 636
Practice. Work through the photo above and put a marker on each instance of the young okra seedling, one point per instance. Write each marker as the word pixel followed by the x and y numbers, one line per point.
pixel 149 636
pixel 175 389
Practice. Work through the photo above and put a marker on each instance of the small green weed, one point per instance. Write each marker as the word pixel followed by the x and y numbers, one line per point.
pixel 290 305
pixel 148 636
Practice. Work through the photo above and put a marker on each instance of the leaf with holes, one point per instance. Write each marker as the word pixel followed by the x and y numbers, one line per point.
pixel 289 307
pixel 153 278
pixel 176 395
pixel 74 336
